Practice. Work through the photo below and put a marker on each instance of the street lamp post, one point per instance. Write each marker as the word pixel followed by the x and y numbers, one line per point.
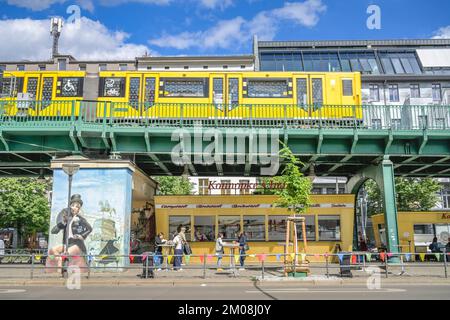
pixel 70 169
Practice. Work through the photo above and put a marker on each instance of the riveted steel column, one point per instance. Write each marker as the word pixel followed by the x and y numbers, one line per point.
pixel 387 186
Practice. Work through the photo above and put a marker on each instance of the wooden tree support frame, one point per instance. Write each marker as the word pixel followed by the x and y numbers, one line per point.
pixel 295 266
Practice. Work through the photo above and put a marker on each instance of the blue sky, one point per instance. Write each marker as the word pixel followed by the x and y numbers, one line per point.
pixel 124 28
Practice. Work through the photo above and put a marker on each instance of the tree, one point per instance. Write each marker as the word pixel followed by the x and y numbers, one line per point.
pixel 24 205
pixel 174 185
pixel 297 188
pixel 413 194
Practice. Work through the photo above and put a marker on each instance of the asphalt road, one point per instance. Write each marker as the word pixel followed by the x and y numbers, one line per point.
pixel 230 292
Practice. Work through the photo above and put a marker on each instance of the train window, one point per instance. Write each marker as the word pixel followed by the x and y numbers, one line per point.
pixel 317 91
pixel 20 67
pixel 347 87
pixel 192 87
pixel 32 84
pixel 150 84
pixel 133 94
pixel 262 88
pixel 218 91
pixel 233 91
pixel 302 92
pixel 11 86
pixel 69 87
pixel 112 87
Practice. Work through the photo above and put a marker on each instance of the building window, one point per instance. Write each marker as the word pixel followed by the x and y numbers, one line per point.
pixel 393 93
pixel 82 67
pixel 255 227
pixel 374 92
pixel 62 64
pixel 400 62
pixel 423 121
pixel 20 67
pixel 123 67
pixel 226 187
pixel 347 87
pixel 186 67
pixel 376 124
pixel 244 186
pixel 396 124
pixel 166 67
pixel 204 228
pixel 229 226
pixel 175 222
pixel 102 67
pixel 277 228
pixel 310 226
pixel 242 67
pixel 415 90
pixel 316 191
pixel 42 67
pixel 329 228
pixel 205 67
pixel 2 67
pixel 331 190
pixel 203 186
pixel 436 91
pixel 149 67
pixel 445 195
pixel 225 67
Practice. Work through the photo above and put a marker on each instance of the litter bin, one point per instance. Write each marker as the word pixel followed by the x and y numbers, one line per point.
pixel 344 264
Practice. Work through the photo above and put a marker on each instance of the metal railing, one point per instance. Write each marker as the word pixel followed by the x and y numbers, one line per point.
pixel 260 265
pixel 124 114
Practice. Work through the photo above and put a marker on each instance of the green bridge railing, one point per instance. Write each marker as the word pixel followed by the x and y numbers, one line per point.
pixel 106 113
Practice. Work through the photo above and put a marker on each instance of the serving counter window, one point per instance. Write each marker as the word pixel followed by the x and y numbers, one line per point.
pixel 179 221
pixel 310 225
pixel 329 228
pixel 230 227
pixel 254 227
pixel 277 228
pixel 204 228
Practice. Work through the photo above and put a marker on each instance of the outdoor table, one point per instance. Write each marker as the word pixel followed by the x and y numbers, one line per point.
pixel 166 250
pixel 232 247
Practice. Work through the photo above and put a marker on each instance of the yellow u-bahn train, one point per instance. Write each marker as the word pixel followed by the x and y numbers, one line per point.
pixel 131 94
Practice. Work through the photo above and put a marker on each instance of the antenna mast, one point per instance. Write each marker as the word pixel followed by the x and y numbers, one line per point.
pixel 55 30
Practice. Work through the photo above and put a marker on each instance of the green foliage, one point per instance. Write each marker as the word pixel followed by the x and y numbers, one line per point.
pixel 295 195
pixel 174 185
pixel 413 194
pixel 24 205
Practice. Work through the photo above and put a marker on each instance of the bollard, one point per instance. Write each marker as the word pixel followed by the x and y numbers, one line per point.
pixel 262 267
pixel 32 265
pixel 386 264
pixel 146 266
pixel 326 265
pixel 204 266
pixel 445 262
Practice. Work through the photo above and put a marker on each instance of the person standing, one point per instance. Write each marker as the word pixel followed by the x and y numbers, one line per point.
pixel 179 241
pixel 159 240
pixel 243 247
pixel 2 248
pixel 219 251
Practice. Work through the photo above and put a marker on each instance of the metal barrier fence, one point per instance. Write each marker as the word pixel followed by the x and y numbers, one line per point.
pixel 199 265
pixel 124 114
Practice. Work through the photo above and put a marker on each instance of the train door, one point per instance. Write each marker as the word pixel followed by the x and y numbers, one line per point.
pixel 317 89
pixel 131 106
pixel 233 97
pixel 300 108
pixel 149 109
pixel 218 96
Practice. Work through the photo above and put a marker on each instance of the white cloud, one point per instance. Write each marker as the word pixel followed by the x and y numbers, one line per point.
pixel 238 31
pixel 29 39
pixel 442 33
pixel 35 5
pixel 213 4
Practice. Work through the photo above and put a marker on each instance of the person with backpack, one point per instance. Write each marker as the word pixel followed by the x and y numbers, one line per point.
pixel 179 241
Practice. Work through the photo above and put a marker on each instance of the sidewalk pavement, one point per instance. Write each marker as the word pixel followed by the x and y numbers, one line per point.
pixel 20 275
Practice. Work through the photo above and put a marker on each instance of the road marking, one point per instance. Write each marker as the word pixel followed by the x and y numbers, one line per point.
pixel 301 290
pixel 12 291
